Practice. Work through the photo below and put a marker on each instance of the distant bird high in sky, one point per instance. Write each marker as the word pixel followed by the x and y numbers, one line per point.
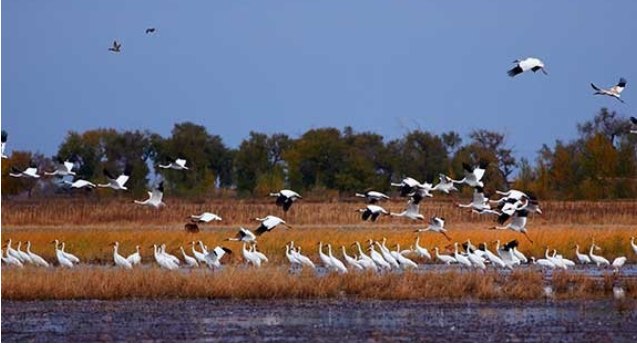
pixel 150 30
pixel 614 91
pixel 528 64
pixel 117 47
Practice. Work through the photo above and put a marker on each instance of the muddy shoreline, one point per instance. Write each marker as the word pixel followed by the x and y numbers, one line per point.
pixel 346 320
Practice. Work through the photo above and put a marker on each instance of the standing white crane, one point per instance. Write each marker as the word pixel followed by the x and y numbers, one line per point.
pixel 116 183
pixel 373 212
pixel 387 255
pixel 136 257
pixel 633 245
pixel 494 259
pixel 304 260
pixel 10 251
pixel 446 259
pixel 37 259
pixel 63 168
pixel 258 254
pixel 69 256
pixel 169 256
pixel 373 197
pixel 250 257
pixel 544 263
pixel 190 261
pixel 162 260
pixel 614 91
pixel 200 256
pixel 24 257
pixel 178 164
pixel 582 258
pixel 378 258
pixel 599 260
pixel 327 261
pixel 437 224
pixel 294 261
pixel 351 261
pixel 336 263
pixel 119 260
pixel 618 263
pixel 155 197
pixel 11 260
pixel 462 260
pixel 528 64
pixel 285 198
pixel 473 175
pixel 420 251
pixel 404 262
pixel 62 260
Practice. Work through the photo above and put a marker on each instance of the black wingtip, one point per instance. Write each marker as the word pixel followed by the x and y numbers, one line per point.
pixel 107 173
pixel 622 82
pixel 128 170
pixel 515 71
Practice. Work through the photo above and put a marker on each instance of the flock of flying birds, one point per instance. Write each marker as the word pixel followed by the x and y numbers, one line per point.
pixel 511 210
pixel 513 204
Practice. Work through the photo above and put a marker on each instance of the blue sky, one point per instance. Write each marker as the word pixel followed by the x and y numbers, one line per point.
pixel 287 66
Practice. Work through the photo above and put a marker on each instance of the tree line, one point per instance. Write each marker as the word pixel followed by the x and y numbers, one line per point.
pixel 601 163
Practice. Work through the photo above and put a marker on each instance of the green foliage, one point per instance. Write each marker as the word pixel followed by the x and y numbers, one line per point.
pixel 209 160
pixel 600 163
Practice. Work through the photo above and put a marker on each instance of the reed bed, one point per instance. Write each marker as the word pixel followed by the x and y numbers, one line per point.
pixel 279 283
pixel 118 212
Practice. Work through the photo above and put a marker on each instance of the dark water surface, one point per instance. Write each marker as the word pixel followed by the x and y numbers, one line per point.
pixel 317 321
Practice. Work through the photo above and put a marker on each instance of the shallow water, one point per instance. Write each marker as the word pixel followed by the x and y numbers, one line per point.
pixel 317 321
